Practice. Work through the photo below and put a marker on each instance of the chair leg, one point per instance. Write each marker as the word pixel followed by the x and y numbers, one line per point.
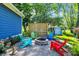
pixel 50 47
pixel 64 50
pixel 60 52
pixel 30 43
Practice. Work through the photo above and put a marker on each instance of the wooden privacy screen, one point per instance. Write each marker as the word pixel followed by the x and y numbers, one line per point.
pixel 40 28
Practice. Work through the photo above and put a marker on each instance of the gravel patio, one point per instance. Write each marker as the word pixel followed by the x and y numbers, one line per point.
pixel 35 50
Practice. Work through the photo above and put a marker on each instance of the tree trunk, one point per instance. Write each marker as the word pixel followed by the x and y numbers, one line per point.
pixel 24 27
pixel 25 23
pixel 77 24
pixel 71 18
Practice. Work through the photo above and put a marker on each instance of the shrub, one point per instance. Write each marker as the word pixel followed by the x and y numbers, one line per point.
pixel 27 34
pixel 72 40
pixel 75 50
pixel 15 40
pixel 68 33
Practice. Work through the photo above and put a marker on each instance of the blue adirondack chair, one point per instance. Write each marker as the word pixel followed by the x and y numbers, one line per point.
pixel 25 41
pixel 50 36
pixel 57 31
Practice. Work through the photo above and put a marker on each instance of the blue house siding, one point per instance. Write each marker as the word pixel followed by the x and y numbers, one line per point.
pixel 10 22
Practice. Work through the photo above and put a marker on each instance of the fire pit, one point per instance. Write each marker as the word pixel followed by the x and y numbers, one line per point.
pixel 41 41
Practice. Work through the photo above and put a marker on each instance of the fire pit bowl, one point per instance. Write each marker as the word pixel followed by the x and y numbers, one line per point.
pixel 41 41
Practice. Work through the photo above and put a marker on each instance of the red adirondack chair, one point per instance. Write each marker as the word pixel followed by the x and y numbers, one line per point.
pixel 58 46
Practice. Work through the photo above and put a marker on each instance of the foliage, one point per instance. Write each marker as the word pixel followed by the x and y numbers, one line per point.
pixel 14 40
pixel 71 40
pixel 75 50
pixel 27 34
pixel 70 15
pixel 68 33
pixel 77 24
pixel 64 15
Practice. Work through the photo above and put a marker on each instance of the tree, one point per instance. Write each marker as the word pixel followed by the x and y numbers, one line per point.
pixel 77 24
pixel 64 15
pixel 26 9
pixel 70 13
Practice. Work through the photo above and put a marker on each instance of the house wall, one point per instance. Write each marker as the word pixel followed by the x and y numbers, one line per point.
pixel 10 22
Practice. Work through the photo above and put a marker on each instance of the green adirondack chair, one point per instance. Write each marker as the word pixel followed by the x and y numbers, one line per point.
pixel 33 35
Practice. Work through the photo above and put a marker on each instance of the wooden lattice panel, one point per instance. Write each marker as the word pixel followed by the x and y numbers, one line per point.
pixel 40 28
